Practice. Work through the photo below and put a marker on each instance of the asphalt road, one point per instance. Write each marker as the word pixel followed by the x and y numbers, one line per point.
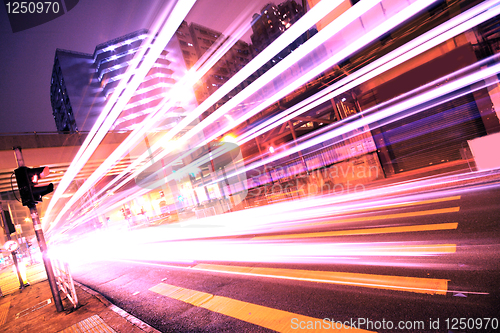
pixel 393 259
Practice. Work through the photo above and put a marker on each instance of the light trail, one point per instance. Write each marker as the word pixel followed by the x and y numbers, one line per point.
pixel 319 206
pixel 296 30
pixel 380 115
pixel 297 209
pixel 492 10
pixel 353 12
pixel 360 242
pixel 168 244
pixel 370 231
pixel 348 210
pixel 262 219
pixel 228 224
pixel 351 48
pixel 389 282
pixel 185 170
pixel 162 31
pixel 322 210
pixel 431 286
pixel 436 36
pixel 325 34
pixel 322 9
pixel 241 250
pixel 385 217
pixel 199 69
pixel 310 18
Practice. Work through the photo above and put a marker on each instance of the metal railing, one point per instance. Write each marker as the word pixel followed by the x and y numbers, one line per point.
pixel 65 281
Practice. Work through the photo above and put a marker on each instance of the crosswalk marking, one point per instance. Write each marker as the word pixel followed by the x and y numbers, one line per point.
pixel 274 319
pixel 398 205
pixel 388 282
pixel 375 218
pixel 367 231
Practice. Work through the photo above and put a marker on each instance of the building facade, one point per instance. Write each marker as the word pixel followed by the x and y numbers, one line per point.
pixel 81 83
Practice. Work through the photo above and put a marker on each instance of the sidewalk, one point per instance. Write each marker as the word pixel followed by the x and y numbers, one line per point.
pixel 9 282
pixel 33 310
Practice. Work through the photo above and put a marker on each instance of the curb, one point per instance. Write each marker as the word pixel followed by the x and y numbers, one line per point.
pixel 93 293
pixel 124 314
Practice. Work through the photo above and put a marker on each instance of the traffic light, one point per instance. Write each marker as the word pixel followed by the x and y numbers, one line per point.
pixel 27 178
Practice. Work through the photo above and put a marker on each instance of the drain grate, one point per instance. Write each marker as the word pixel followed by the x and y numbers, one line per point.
pixel 33 308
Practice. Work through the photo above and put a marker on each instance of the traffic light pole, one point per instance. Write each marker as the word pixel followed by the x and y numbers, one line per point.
pixel 41 242
pixel 14 254
pixel 46 260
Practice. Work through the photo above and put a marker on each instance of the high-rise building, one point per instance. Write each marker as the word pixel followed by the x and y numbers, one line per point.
pixel 273 21
pixel 81 83
pixel 71 76
pixel 230 63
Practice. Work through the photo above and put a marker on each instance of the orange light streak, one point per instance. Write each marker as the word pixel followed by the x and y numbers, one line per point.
pixel 388 282
pixel 369 231
pixel 401 205
pixel 381 217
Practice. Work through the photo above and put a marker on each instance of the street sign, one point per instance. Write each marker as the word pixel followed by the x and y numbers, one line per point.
pixel 11 246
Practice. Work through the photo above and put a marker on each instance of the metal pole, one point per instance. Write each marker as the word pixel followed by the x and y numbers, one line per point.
pixel 14 253
pixel 41 243
pixel 46 260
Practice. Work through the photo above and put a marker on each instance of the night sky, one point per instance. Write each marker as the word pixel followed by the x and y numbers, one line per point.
pixel 27 57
